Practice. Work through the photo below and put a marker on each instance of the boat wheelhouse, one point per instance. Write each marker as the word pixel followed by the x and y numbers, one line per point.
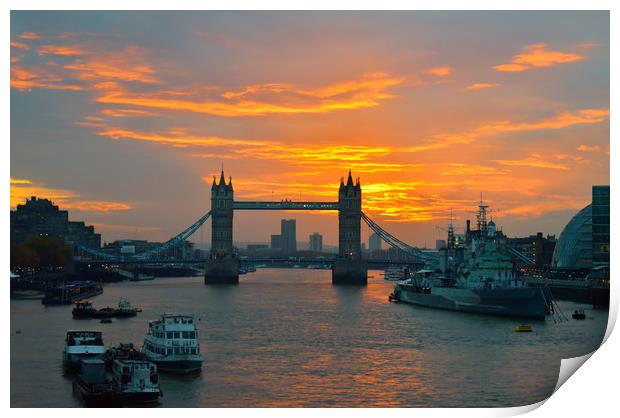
pixel 172 343
pixel 135 380
pixel 82 345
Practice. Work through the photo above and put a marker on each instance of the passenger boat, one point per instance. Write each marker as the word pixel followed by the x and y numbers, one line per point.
pixel 172 343
pixel 80 346
pixel 69 293
pixel 85 310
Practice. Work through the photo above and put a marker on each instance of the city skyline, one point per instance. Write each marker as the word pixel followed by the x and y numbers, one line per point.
pixel 130 128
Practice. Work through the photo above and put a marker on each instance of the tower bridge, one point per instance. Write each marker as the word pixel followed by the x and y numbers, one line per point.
pixel 223 264
pixel 348 268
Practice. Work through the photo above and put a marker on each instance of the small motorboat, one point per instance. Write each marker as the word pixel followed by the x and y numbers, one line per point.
pixel 579 314
pixel 523 328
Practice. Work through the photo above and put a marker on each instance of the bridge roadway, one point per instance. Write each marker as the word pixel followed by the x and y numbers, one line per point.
pixel 376 263
pixel 285 205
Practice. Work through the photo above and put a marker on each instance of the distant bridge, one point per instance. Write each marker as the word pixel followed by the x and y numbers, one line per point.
pixel 223 205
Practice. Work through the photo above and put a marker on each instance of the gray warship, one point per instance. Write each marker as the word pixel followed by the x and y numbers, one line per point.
pixel 475 277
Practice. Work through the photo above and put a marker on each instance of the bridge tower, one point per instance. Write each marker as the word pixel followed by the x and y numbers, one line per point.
pixel 349 267
pixel 223 264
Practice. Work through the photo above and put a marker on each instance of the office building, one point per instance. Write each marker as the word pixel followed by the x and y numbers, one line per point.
pixel 40 217
pixel 600 226
pixel 288 234
pixel 316 242
pixel 374 243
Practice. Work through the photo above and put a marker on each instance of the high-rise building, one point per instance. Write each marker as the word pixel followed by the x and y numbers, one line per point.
pixel 316 242
pixel 374 243
pixel 600 225
pixel 276 242
pixel 40 217
pixel 288 235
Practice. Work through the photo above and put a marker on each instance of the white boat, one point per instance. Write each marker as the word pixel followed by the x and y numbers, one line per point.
pixel 172 343
pixel 82 345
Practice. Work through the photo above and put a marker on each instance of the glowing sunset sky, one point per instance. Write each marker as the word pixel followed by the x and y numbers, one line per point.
pixel 124 117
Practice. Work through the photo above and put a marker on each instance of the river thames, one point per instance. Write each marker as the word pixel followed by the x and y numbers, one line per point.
pixel 288 338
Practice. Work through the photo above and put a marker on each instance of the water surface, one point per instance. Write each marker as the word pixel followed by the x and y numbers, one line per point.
pixel 289 338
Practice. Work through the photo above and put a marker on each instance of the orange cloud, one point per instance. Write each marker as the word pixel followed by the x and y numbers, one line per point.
pixel 258 100
pixel 537 56
pixel 588 148
pixel 534 161
pixel 30 35
pixel 588 45
pixel 439 71
pixel 66 51
pixel 480 86
pixel 123 113
pixel 20 45
pixel 105 68
pixel 26 79
pixel 22 189
pixel 559 121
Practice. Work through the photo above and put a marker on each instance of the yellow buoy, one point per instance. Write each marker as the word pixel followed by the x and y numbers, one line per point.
pixel 523 328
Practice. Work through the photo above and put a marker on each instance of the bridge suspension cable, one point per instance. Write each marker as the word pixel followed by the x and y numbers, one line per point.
pixel 171 243
pixel 395 242
pixel 176 240
pixel 522 257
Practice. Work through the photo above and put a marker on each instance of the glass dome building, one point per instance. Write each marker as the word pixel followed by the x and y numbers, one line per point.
pixel 574 247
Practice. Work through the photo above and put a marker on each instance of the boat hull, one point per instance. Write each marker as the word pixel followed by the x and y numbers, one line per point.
pixel 104 395
pixel 178 366
pixel 526 302
pixel 102 314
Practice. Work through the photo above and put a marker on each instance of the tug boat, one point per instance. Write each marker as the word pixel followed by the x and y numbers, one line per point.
pixel 172 343
pixel 80 346
pixel 130 382
pixel 86 310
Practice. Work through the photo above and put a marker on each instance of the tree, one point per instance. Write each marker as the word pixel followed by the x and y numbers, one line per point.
pixel 52 251
pixel 23 257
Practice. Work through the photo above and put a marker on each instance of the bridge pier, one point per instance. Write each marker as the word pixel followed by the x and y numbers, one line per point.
pixel 222 271
pixel 350 271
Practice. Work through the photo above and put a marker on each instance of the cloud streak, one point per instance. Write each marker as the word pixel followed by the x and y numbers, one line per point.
pixel 537 56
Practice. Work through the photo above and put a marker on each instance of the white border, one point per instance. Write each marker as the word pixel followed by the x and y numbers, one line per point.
pixel 592 392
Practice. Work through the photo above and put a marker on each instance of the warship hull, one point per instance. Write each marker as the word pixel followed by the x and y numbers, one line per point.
pixel 526 302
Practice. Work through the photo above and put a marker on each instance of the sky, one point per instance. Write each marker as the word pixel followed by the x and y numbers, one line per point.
pixel 123 118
